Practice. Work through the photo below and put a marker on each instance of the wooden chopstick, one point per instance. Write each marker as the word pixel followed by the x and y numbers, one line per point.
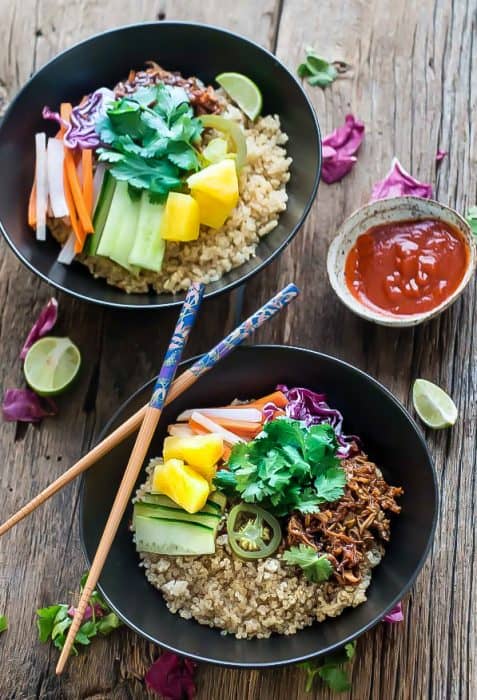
pixel 141 446
pixel 235 338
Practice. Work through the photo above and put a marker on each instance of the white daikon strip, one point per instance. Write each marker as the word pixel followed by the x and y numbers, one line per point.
pixel 41 186
pixel 212 427
pixel 79 171
pixel 98 182
pixel 55 156
pixel 67 253
pixel 180 430
pixel 251 415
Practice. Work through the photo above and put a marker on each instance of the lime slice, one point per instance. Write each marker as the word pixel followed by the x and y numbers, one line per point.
pixel 243 91
pixel 433 406
pixel 51 364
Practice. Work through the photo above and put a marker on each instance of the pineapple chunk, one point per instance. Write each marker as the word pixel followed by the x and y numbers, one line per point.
pixel 182 484
pixel 181 219
pixel 213 212
pixel 218 181
pixel 202 452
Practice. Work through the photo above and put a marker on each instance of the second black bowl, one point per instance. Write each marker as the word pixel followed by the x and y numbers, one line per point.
pixel 192 49
pixel 390 437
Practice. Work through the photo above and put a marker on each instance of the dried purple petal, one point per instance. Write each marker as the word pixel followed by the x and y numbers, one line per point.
pixel 24 405
pixel 440 155
pixel 394 615
pixel 398 182
pixel 339 149
pixel 48 113
pixel 44 323
pixel 172 677
pixel 88 613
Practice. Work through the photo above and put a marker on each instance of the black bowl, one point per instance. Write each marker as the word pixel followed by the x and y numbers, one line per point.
pixel 104 59
pixel 390 437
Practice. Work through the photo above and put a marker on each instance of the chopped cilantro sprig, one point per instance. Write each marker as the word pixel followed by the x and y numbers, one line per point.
pixel 148 139
pixel 289 467
pixel 316 568
pixel 331 669
pixel 318 71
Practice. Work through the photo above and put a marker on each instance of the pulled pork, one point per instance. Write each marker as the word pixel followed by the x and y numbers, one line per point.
pixel 202 98
pixel 346 530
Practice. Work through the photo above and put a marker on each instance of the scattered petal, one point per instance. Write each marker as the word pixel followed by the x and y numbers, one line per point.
pixel 45 322
pixel 440 155
pixel 172 677
pixel 339 149
pixel 24 405
pixel 394 615
pixel 398 182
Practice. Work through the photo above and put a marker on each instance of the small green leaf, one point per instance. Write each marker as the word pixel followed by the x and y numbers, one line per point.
pixel 335 678
pixel 46 620
pixel 317 70
pixel 350 649
pixel 330 484
pixel 316 568
pixel 108 624
pixel 3 623
pixel 472 219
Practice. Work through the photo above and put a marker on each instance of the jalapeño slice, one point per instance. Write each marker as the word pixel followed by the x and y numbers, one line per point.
pixel 253 532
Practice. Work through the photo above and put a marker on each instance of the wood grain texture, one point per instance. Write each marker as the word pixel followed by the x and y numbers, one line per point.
pixel 411 78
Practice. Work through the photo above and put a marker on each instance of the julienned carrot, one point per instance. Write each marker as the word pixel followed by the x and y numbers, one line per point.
pixel 75 187
pixel 87 167
pixel 75 222
pixel 65 113
pixel 239 427
pixel 277 397
pixel 32 206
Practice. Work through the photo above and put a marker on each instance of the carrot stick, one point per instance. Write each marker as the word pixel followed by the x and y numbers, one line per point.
pixel 277 397
pixel 75 187
pixel 75 222
pixel 87 163
pixel 32 206
pixel 65 113
pixel 239 427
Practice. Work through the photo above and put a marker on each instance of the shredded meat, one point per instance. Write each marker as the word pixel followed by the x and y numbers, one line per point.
pixel 346 530
pixel 202 97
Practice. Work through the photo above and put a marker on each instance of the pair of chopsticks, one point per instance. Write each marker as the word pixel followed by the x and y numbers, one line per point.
pixel 165 391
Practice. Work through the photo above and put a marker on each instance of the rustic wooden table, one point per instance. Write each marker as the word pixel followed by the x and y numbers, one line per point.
pixel 410 80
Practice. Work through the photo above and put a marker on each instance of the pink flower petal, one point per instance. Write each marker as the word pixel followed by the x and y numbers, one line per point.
pixel 24 405
pixel 398 182
pixel 394 615
pixel 44 323
pixel 339 149
pixel 172 677
pixel 440 155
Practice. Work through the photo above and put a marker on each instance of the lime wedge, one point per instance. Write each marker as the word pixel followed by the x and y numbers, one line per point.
pixel 243 91
pixel 51 364
pixel 433 406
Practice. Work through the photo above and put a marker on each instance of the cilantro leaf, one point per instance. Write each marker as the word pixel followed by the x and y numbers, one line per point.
pixel 46 621
pixel 183 156
pixel 472 219
pixel 3 623
pixel 316 568
pixel 330 484
pixel 350 649
pixel 335 678
pixel 311 671
pixel 317 70
pixel 288 467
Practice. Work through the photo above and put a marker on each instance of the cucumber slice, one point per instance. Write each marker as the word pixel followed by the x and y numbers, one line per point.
pixel 150 510
pixel 149 246
pixel 173 538
pixel 161 500
pixel 126 233
pixel 219 499
pixel 119 202
pixel 101 213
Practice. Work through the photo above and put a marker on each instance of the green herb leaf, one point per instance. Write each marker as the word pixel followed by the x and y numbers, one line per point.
pixel 335 678
pixel 108 624
pixel 3 623
pixel 316 568
pixel 317 70
pixel 311 672
pixel 472 219
pixel 46 620
pixel 350 649
pixel 331 669
pixel 289 467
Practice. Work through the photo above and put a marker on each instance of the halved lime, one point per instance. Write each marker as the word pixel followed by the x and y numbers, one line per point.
pixel 433 406
pixel 243 91
pixel 51 364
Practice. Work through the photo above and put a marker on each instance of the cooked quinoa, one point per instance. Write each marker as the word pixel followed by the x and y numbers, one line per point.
pixel 262 199
pixel 249 598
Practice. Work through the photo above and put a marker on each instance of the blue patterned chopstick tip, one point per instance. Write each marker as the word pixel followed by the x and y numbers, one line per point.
pixel 177 344
pixel 245 330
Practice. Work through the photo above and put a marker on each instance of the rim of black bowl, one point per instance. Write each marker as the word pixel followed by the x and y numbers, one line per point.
pixel 332 647
pixel 232 285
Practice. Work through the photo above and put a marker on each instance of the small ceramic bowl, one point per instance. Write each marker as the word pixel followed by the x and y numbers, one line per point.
pixel 386 211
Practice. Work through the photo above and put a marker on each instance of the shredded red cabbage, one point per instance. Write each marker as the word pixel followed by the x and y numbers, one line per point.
pixel 88 613
pixel 339 149
pixel 24 405
pixel 44 323
pixel 394 615
pixel 398 183
pixel 172 677
pixel 81 131
pixel 310 407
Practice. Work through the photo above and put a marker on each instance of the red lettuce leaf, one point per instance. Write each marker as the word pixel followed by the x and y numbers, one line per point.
pixel 398 182
pixel 44 323
pixel 394 615
pixel 172 677
pixel 339 149
pixel 24 405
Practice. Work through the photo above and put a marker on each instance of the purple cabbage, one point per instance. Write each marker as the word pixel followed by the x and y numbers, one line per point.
pixel 24 405
pixel 394 615
pixel 172 676
pixel 81 131
pixel 44 323
pixel 311 408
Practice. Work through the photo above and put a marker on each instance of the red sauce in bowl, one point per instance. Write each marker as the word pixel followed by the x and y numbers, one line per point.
pixel 406 267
